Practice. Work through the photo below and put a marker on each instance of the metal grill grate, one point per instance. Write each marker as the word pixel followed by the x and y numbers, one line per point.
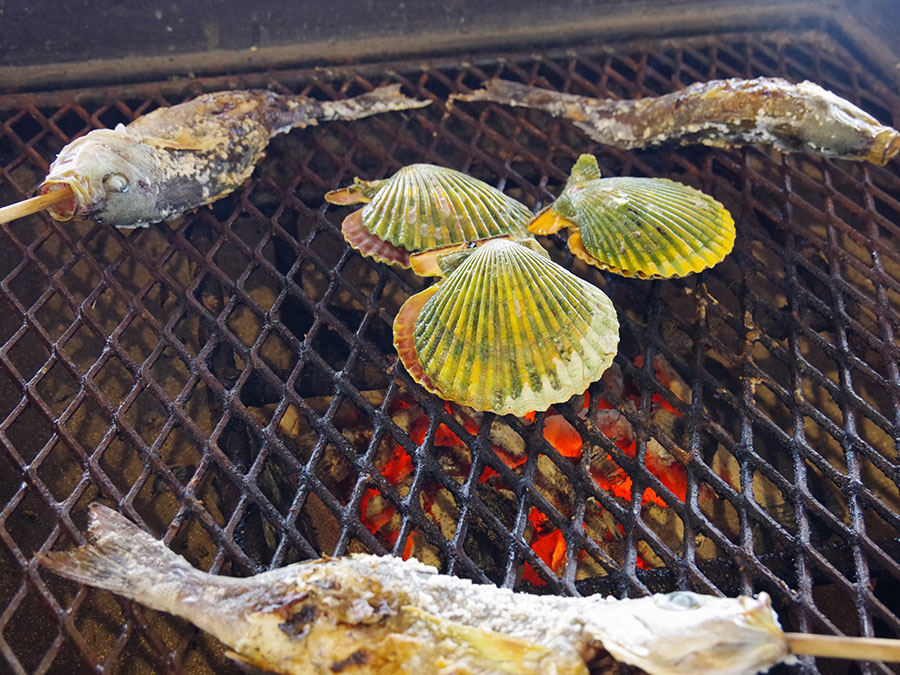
pixel 226 379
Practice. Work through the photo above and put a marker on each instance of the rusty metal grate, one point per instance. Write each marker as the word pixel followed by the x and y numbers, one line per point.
pixel 226 379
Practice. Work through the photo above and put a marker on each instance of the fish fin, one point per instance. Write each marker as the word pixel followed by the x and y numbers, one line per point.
pixel 379 100
pixel 497 91
pixel 523 95
pixel 121 558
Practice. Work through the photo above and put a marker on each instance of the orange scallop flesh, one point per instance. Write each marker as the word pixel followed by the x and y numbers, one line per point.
pixel 548 222
pixel 426 264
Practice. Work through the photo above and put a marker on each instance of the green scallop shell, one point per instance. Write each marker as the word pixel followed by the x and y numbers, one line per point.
pixel 645 227
pixel 424 206
pixel 508 331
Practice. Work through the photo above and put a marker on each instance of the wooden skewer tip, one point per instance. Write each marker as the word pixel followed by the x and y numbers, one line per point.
pixel 841 647
pixel 35 204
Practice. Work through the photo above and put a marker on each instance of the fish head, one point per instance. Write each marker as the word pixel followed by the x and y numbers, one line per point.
pixel 683 633
pixel 107 172
pixel 841 129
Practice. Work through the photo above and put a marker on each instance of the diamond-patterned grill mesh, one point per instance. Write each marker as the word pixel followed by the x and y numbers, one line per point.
pixel 227 379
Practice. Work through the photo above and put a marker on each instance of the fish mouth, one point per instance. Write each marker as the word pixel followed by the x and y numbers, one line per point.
pixel 67 209
pixel 772 646
pixel 885 147
pixel 758 613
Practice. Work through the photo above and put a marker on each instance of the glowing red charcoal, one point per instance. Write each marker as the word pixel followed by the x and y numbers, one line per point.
pixel 382 513
pixel 396 465
pixel 548 543
pixel 376 511
pixel 667 378
pixel 562 436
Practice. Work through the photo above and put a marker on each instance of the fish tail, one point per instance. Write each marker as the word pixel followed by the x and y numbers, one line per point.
pixel 375 102
pixel 124 559
pixel 300 111
pixel 523 95
pixel 556 103
pixel 502 91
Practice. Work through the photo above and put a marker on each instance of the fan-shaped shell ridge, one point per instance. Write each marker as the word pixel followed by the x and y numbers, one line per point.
pixel 510 331
pixel 647 227
pixel 424 206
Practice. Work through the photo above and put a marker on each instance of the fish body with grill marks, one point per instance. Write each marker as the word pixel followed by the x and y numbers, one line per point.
pixel 176 159
pixel 790 117
pixel 371 615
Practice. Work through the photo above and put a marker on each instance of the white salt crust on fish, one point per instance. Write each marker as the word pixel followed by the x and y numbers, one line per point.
pixel 790 117
pixel 370 614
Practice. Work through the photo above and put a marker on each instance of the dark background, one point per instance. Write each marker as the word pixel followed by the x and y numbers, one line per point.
pixel 44 43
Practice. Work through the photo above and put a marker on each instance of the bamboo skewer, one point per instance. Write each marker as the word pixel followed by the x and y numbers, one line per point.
pixel 35 204
pixel 841 647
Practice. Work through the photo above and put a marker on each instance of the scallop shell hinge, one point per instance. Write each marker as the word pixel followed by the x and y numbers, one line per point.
pixel 423 207
pixel 507 331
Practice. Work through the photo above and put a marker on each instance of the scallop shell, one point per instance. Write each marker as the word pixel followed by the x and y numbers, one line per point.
pixel 423 207
pixel 644 227
pixel 507 331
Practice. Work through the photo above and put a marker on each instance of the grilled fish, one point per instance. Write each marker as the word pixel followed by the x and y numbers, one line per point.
pixel 179 158
pixel 371 615
pixel 767 111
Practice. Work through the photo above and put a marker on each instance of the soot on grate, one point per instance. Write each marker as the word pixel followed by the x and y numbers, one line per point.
pixel 228 381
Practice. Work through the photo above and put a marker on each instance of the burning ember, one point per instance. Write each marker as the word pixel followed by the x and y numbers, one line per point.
pixel 380 515
pixel 546 540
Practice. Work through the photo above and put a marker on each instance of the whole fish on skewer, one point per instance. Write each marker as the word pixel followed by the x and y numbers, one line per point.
pixel 370 614
pixel 790 117
pixel 176 159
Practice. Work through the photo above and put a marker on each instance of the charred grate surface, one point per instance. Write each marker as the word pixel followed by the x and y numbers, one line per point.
pixel 226 379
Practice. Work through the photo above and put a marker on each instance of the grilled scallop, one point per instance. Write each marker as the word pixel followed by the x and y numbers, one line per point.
pixel 507 330
pixel 640 227
pixel 424 207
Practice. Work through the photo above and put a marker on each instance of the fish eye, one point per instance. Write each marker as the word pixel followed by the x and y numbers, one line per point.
pixel 680 600
pixel 115 182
